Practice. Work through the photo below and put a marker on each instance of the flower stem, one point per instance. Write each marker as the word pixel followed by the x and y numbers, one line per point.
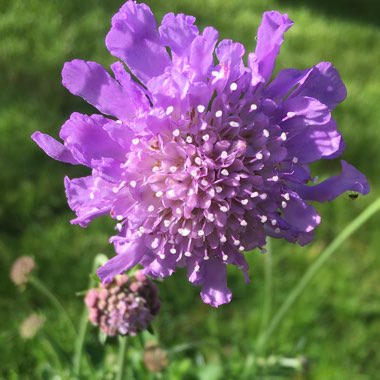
pixel 121 358
pixel 79 342
pixel 268 290
pixel 39 286
pixel 313 270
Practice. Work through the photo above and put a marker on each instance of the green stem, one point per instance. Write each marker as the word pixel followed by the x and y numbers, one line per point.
pixel 268 289
pixel 39 286
pixel 313 270
pixel 79 342
pixel 121 358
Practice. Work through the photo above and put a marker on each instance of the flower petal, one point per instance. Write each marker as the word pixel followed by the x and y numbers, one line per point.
pixel 270 36
pixel 88 197
pixel 202 53
pixel 350 179
pixel 54 148
pixel 129 255
pixel 178 32
pixel 215 291
pixel 323 83
pixel 92 82
pixel 134 39
pixel 87 139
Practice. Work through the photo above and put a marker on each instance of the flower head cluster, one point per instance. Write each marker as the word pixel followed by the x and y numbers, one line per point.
pixel 155 357
pixel 205 156
pixel 124 306
pixel 31 325
pixel 21 270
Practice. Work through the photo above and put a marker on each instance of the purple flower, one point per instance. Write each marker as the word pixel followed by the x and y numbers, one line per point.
pixel 124 306
pixel 205 156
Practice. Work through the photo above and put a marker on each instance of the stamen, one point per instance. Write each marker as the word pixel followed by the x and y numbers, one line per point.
pixel 244 202
pixel 167 223
pixel 225 172
pixel 265 132
pixel 263 196
pixel 253 107
pixel 286 196
pixel 244 223
pixel 236 242
pixel 173 169
pixel 155 243
pixel 224 155
pixel 92 195
pixel 204 182
pixel 176 132
pixel 283 204
pixel 201 108
pixel 223 209
pixel 259 156
pixel 263 218
pixel 119 217
pixel 291 114
pixel 173 251
pixel 155 169
pixel 277 230
pixel 151 208
pixel 234 124
pixel 133 183
pixel 233 86
pixel 225 257
pixel 274 222
pixel 223 239
pixel 241 248
pixel 198 160
pixel 219 189
pixel 135 141
pixel 206 137
pixel 159 194
pixel 119 226
pixel 201 233
pixel 295 160
pixel 169 110
pixel 188 254
pixel 189 139
pixel 283 136
pixel 119 122
pixel 218 113
pixel 254 194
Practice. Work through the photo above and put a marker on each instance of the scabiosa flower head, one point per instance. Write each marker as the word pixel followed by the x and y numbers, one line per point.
pixel 124 306
pixel 30 326
pixel 205 156
pixel 21 270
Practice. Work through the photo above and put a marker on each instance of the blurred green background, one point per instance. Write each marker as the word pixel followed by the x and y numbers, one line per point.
pixel 335 324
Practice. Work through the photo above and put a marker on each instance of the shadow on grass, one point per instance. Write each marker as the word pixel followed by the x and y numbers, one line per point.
pixel 363 11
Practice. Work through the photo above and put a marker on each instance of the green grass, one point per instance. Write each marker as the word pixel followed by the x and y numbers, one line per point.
pixel 335 324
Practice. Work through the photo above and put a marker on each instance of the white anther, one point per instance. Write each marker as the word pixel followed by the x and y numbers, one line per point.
pixel 265 132
pixel 295 160
pixel 224 155
pixel 291 114
pixel 277 230
pixel 198 160
pixel 244 223
pixel 169 110
pixel 155 169
pixel 241 248
pixel 166 223
pixel 211 217
pixel 225 257
pixel 205 137
pixel 133 183
pixel 225 172
pixel 151 208
pixel 178 211
pixel 155 243
pixel 204 182
pixel 223 239
pixel 275 178
pixel 283 136
pixel 219 189
pixel 259 156
pixel 274 222
pixel 141 229
pixel 188 254
pixel 159 194
pixel 119 226
pixel 237 242
pixel 176 132
pixel 189 139
pixel 206 257
pixel 263 218
pixel 223 209
pixel 173 169
pixel 184 231
pixel 283 204
pixel 173 251
pixel 233 86
pixel 194 173
pixel 234 124
pixel 201 233
pixel 244 202
pixel 92 195
pixel 201 108
pixel 161 256
pixel 218 113
pixel 255 194
pixel 171 193
pixel 286 196
pixel 263 196
pixel 135 141
pixel 119 217
pixel 119 122
pixel 253 107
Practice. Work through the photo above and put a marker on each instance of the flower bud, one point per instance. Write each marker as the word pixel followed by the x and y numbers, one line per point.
pixel 21 270
pixel 125 306
pixel 155 357
pixel 31 325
